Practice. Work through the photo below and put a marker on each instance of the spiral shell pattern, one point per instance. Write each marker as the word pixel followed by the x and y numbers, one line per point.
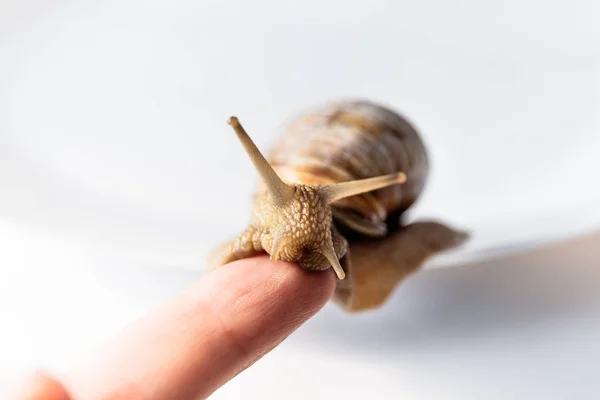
pixel 353 140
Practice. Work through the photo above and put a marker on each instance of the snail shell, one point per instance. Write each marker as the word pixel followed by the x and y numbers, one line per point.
pixel 354 140
pixel 333 190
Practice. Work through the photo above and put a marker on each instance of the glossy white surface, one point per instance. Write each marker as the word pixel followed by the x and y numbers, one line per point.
pixel 117 171
pixel 113 114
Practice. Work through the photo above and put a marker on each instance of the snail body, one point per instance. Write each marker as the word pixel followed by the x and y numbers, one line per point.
pixel 333 192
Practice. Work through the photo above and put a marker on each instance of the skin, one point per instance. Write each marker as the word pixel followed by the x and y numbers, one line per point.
pixel 298 228
pixel 195 343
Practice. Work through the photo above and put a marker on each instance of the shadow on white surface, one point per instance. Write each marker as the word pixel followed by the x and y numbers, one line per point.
pixel 506 293
pixel 518 327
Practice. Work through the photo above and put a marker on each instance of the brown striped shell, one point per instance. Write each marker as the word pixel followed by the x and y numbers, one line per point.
pixel 353 140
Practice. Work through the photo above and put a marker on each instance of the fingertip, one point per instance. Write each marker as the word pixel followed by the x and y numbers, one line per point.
pixel 219 326
pixel 286 281
pixel 319 285
pixel 38 385
pixel 260 303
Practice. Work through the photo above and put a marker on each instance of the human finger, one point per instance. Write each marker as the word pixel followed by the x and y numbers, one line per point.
pixel 195 343
pixel 37 386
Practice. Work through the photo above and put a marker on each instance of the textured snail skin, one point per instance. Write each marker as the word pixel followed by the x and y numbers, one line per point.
pixel 305 222
pixel 296 217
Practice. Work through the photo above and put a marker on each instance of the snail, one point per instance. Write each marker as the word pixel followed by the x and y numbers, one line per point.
pixel 333 193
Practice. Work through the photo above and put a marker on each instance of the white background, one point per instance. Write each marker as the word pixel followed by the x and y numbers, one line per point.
pixel 118 174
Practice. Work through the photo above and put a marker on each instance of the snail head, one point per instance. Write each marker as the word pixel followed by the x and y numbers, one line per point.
pixel 296 220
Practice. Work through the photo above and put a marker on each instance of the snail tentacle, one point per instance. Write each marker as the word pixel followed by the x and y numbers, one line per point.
pixel 329 253
pixel 338 191
pixel 279 190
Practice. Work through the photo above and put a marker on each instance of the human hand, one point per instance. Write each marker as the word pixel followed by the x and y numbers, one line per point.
pixel 195 343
